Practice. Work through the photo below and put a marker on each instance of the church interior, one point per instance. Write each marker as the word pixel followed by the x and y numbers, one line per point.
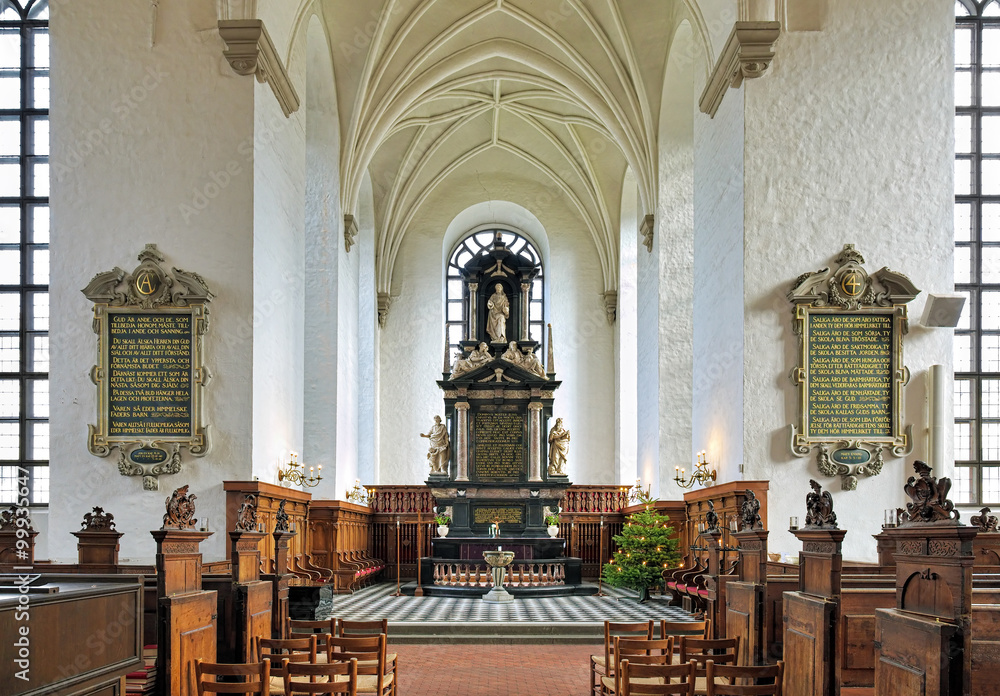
pixel 348 346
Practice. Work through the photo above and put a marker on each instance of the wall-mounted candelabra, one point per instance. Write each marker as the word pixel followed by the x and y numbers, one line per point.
pixel 360 495
pixel 294 472
pixel 701 474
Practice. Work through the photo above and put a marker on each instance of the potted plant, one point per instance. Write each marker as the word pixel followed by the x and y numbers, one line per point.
pixel 442 522
pixel 553 525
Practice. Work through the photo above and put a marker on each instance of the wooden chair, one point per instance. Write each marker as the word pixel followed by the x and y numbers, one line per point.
pixel 656 680
pixel 369 651
pixel 373 627
pixel 328 678
pixel 685 629
pixel 645 651
pixel 723 651
pixel 281 652
pixel 602 665
pixel 256 675
pixel 318 627
pixel 757 681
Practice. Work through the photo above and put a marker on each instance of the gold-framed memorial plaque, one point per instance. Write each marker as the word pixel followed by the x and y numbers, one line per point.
pixel 149 372
pixel 850 326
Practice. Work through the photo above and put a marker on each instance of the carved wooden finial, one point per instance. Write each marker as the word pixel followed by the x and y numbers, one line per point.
pixel 711 518
pixel 984 521
pixel 9 517
pixel 281 518
pixel 180 510
pixel 99 520
pixel 750 512
pixel 819 508
pixel 246 516
pixel 929 498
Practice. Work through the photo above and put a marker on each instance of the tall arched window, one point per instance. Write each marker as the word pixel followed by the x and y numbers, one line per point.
pixel 977 251
pixel 24 250
pixel 457 305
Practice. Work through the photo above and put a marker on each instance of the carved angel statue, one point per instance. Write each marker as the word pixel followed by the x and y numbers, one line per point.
pixel 246 515
pixel 496 322
pixel 180 510
pixel 558 449
pixel 819 507
pixel 439 453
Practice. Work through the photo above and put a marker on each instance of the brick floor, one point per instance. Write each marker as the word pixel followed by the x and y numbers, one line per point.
pixel 494 670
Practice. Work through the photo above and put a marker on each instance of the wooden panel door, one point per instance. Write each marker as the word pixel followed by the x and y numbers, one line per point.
pixel 745 618
pixel 255 604
pixel 985 649
pixel 809 644
pixel 189 633
pixel 912 656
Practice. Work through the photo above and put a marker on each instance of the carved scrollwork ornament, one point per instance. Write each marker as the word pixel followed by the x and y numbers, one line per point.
pixel 929 503
pixel 180 510
pixel 819 508
pixel 984 521
pixel 246 515
pixel 9 519
pixel 98 520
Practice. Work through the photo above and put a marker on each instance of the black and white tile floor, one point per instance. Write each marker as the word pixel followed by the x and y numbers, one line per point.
pixel 377 602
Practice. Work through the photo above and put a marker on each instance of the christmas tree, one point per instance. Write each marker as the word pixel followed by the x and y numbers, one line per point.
pixel 645 550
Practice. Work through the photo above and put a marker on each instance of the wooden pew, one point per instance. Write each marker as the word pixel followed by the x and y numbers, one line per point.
pixel 339 539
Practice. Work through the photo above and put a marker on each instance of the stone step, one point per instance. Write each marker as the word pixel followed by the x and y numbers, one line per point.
pixel 487 632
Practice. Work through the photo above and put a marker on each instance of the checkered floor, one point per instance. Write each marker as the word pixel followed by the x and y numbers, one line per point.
pixel 377 602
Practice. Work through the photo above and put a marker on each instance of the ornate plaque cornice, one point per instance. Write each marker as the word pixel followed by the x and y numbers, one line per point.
pixel 748 53
pixel 250 51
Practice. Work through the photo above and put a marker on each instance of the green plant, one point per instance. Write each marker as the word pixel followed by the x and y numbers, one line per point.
pixel 552 520
pixel 645 550
pixel 442 520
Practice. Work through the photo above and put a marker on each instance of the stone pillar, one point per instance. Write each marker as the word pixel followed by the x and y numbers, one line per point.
pixel 535 441
pixel 525 333
pixel 462 436
pixel 473 311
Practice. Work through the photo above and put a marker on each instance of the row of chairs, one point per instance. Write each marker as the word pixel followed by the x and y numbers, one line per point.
pixel 689 642
pixel 319 657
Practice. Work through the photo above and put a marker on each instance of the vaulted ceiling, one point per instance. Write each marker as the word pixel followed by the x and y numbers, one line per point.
pixel 565 92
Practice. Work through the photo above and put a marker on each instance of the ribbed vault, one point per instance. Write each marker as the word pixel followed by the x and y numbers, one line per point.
pixel 564 92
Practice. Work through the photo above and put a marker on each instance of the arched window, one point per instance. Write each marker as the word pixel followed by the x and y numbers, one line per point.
pixel 977 251
pixel 24 250
pixel 457 305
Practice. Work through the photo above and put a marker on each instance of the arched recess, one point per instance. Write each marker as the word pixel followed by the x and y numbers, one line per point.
pixel 665 282
pixel 626 334
pixel 326 417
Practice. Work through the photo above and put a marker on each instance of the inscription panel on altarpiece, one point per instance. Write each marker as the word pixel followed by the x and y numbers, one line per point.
pixel 512 517
pixel 499 443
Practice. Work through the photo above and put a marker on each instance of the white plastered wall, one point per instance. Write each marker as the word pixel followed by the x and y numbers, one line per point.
pixel 136 171
pixel 626 336
pixel 847 141
pixel 411 343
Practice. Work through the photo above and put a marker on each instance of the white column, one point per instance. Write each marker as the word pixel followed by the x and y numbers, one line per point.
pixel 473 310
pixel 535 441
pixel 525 334
pixel 463 441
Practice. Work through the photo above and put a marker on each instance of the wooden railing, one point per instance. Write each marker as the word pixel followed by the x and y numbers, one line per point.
pixel 607 499
pixel 472 574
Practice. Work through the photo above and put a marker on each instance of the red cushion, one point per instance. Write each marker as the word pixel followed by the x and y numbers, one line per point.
pixel 703 593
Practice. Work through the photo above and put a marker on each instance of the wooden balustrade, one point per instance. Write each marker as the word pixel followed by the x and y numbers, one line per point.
pixel 472 574
pixel 595 499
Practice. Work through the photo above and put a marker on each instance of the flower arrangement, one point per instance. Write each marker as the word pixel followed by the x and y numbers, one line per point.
pixel 552 520
pixel 442 520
